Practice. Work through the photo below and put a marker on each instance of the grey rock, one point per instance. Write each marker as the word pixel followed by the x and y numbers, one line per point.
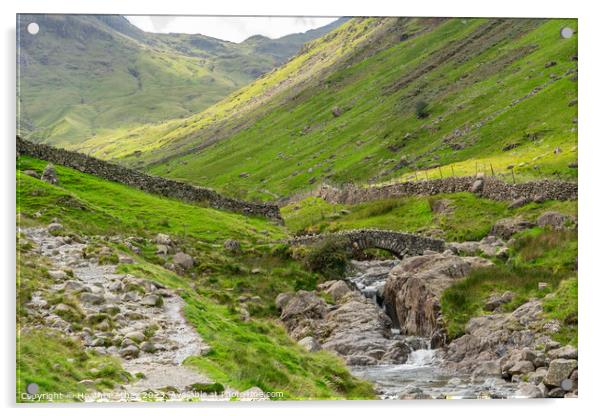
pixel 163 239
pixel 529 391
pixel 49 175
pixel 519 202
pixel 556 392
pixel 486 370
pixel 148 346
pixel 32 173
pixel 567 352
pixel 537 376
pixel 560 369
pixel 125 259
pixel 521 367
pixel 232 245
pixel 87 383
pixel 162 249
pixel 116 286
pixel 477 186
pixel 310 344
pixel 135 336
pixel 57 274
pixel 130 351
pixel 552 219
pixel 91 298
pixel 74 286
pixel 338 290
pixel 54 227
pixel 152 300
pixel 183 260
pixel 506 227
pixel 413 288
pixel 282 299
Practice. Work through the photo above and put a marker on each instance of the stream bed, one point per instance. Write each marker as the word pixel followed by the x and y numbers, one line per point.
pixel 423 375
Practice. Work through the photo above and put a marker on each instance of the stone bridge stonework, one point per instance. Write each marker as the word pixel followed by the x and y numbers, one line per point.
pixel 397 243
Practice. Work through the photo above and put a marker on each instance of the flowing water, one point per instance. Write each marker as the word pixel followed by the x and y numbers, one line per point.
pixel 422 376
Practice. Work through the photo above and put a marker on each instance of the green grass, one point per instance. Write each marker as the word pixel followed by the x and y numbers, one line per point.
pixel 49 358
pixel 256 352
pixel 563 307
pixel 244 353
pixel 57 364
pixel 284 135
pixel 468 218
pixel 551 258
pixel 92 205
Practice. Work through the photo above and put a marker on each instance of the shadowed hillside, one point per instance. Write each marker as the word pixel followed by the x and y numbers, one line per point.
pixel 84 75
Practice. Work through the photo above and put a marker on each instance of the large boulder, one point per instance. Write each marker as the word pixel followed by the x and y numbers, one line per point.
pixel 303 306
pixel 338 290
pixel 413 289
pixel 282 299
pixel 355 328
pixel 183 260
pixel 506 227
pixel 49 175
pixel 559 370
pixel 552 219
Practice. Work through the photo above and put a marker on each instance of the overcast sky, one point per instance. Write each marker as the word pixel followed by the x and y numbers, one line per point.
pixel 235 29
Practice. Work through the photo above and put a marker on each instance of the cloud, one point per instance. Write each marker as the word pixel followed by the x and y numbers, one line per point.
pixel 232 28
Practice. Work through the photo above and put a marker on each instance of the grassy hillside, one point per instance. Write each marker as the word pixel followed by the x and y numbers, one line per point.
pixel 497 93
pixel 453 217
pixel 82 76
pixel 245 353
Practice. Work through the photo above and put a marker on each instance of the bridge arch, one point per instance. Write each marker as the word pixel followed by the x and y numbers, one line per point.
pixel 397 243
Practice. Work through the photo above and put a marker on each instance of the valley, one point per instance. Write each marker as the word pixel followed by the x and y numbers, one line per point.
pixel 385 208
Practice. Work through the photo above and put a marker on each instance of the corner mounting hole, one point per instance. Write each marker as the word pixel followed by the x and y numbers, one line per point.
pixel 33 28
pixel 566 32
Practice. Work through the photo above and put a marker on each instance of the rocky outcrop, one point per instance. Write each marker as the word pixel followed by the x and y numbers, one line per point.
pixel 490 246
pixel 518 347
pixel 553 219
pixel 414 287
pixel 354 328
pixel 152 184
pixel 506 227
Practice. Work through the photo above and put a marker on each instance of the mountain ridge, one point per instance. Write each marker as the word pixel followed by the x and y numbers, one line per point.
pixel 83 75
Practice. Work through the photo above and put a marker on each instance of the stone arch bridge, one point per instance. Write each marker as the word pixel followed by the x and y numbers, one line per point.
pixel 397 243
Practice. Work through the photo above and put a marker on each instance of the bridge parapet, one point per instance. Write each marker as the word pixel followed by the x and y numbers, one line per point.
pixel 398 243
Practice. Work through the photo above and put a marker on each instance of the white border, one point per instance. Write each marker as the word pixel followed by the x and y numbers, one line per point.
pixel 590 139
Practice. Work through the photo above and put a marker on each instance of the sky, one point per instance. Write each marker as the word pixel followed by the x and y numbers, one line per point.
pixel 232 28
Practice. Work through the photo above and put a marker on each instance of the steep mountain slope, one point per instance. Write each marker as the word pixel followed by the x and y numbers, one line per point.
pixel 82 75
pixel 498 92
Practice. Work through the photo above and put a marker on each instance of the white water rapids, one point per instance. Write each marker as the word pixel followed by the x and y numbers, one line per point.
pixel 422 371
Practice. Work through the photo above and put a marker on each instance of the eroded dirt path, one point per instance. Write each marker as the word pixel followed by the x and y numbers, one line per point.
pixel 139 321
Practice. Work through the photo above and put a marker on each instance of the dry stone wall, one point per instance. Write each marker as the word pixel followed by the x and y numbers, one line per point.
pixel 148 183
pixel 491 188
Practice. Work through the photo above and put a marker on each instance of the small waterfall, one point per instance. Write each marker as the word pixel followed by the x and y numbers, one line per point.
pixel 422 357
